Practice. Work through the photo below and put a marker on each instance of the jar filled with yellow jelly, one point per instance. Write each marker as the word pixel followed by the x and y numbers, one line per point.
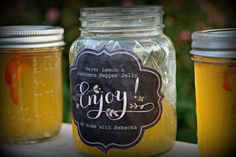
pixel 30 82
pixel 214 55
pixel 122 79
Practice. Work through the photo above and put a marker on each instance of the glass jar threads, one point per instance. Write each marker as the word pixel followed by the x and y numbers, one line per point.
pixel 31 83
pixel 214 55
pixel 122 78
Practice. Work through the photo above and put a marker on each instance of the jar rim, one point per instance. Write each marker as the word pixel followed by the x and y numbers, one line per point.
pixel 119 11
pixel 123 19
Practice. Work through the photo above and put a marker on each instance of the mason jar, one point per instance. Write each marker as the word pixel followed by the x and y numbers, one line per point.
pixel 214 56
pixel 122 83
pixel 31 83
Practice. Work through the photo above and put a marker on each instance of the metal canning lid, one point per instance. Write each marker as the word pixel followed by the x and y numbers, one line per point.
pixel 217 43
pixel 31 36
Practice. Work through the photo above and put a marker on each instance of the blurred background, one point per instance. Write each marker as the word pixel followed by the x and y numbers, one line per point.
pixel 181 18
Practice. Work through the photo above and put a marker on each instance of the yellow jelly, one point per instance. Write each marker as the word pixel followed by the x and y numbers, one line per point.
pixel 155 140
pixel 31 94
pixel 30 82
pixel 215 81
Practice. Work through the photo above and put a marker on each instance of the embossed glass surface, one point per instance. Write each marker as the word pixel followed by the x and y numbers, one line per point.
pixel 137 30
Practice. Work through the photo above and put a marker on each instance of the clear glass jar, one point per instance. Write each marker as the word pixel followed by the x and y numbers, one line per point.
pixel 214 55
pixel 31 83
pixel 122 78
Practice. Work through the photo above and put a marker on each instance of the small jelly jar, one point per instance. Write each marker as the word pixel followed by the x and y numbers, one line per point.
pixel 30 82
pixel 214 55
pixel 122 79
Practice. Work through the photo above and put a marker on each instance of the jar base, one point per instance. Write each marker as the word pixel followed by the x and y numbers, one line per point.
pixel 31 140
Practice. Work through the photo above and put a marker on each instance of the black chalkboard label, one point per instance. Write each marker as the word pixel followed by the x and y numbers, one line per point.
pixel 114 98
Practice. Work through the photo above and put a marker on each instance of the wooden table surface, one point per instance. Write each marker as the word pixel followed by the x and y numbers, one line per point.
pixel 62 146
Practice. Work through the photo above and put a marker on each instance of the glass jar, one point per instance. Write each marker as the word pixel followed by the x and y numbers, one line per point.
pixel 122 78
pixel 31 83
pixel 214 55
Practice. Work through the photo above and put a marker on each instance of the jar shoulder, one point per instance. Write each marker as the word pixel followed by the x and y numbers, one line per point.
pixel 125 42
pixel 166 42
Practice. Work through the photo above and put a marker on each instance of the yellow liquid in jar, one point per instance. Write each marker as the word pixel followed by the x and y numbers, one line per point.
pixel 31 95
pixel 156 140
pixel 216 108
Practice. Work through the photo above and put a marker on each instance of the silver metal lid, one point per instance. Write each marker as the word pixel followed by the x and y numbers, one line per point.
pixel 31 36
pixel 217 43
